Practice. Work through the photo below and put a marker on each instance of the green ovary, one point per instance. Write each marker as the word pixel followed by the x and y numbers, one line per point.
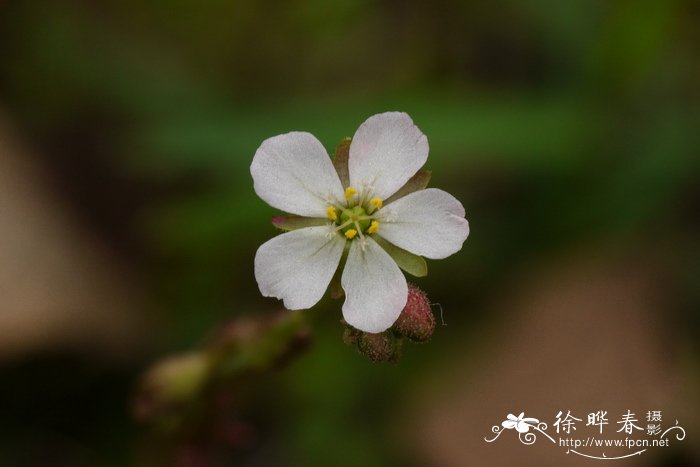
pixel 358 216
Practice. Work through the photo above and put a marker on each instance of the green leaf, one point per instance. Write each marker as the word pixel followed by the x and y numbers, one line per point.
pixel 297 222
pixel 418 182
pixel 340 161
pixel 412 264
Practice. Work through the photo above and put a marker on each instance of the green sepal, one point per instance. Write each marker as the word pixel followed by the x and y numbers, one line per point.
pixel 413 264
pixel 418 182
pixel 340 161
pixel 297 222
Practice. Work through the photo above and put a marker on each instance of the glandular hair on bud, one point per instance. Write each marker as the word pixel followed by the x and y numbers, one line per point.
pixel 416 321
pixel 350 334
pixel 381 347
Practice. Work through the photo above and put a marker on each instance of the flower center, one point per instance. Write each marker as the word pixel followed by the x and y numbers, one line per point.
pixel 357 216
pixel 357 219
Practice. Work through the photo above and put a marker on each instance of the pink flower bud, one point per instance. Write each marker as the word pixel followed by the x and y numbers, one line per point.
pixel 416 320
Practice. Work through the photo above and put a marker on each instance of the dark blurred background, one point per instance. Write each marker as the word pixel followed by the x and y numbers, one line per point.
pixel 569 130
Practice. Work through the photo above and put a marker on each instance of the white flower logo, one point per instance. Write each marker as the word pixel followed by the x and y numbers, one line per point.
pixel 293 172
pixel 522 425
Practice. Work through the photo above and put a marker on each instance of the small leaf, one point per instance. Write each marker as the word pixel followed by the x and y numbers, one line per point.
pixel 297 222
pixel 412 264
pixel 340 161
pixel 418 182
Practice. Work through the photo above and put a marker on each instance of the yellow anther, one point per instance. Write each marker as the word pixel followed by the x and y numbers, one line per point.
pixel 350 192
pixel 350 234
pixel 373 227
pixel 332 213
pixel 376 203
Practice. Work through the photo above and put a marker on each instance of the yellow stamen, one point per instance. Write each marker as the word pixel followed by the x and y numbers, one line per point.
pixel 332 213
pixel 350 234
pixel 376 203
pixel 350 192
pixel 373 227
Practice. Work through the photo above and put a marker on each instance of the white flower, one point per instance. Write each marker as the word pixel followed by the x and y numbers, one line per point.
pixel 522 425
pixel 293 173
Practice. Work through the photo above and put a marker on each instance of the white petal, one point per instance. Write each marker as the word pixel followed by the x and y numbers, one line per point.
pixel 522 427
pixel 385 152
pixel 297 266
pixel 375 288
pixel 428 223
pixel 293 173
pixel 509 424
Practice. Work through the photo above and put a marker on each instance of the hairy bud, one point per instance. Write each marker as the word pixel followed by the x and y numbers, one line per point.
pixel 350 334
pixel 416 320
pixel 381 347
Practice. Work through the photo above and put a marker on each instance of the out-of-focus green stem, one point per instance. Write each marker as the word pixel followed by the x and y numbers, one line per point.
pixel 174 385
pixel 259 348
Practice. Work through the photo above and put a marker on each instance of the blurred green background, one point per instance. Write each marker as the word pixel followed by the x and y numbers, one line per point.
pixel 567 129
